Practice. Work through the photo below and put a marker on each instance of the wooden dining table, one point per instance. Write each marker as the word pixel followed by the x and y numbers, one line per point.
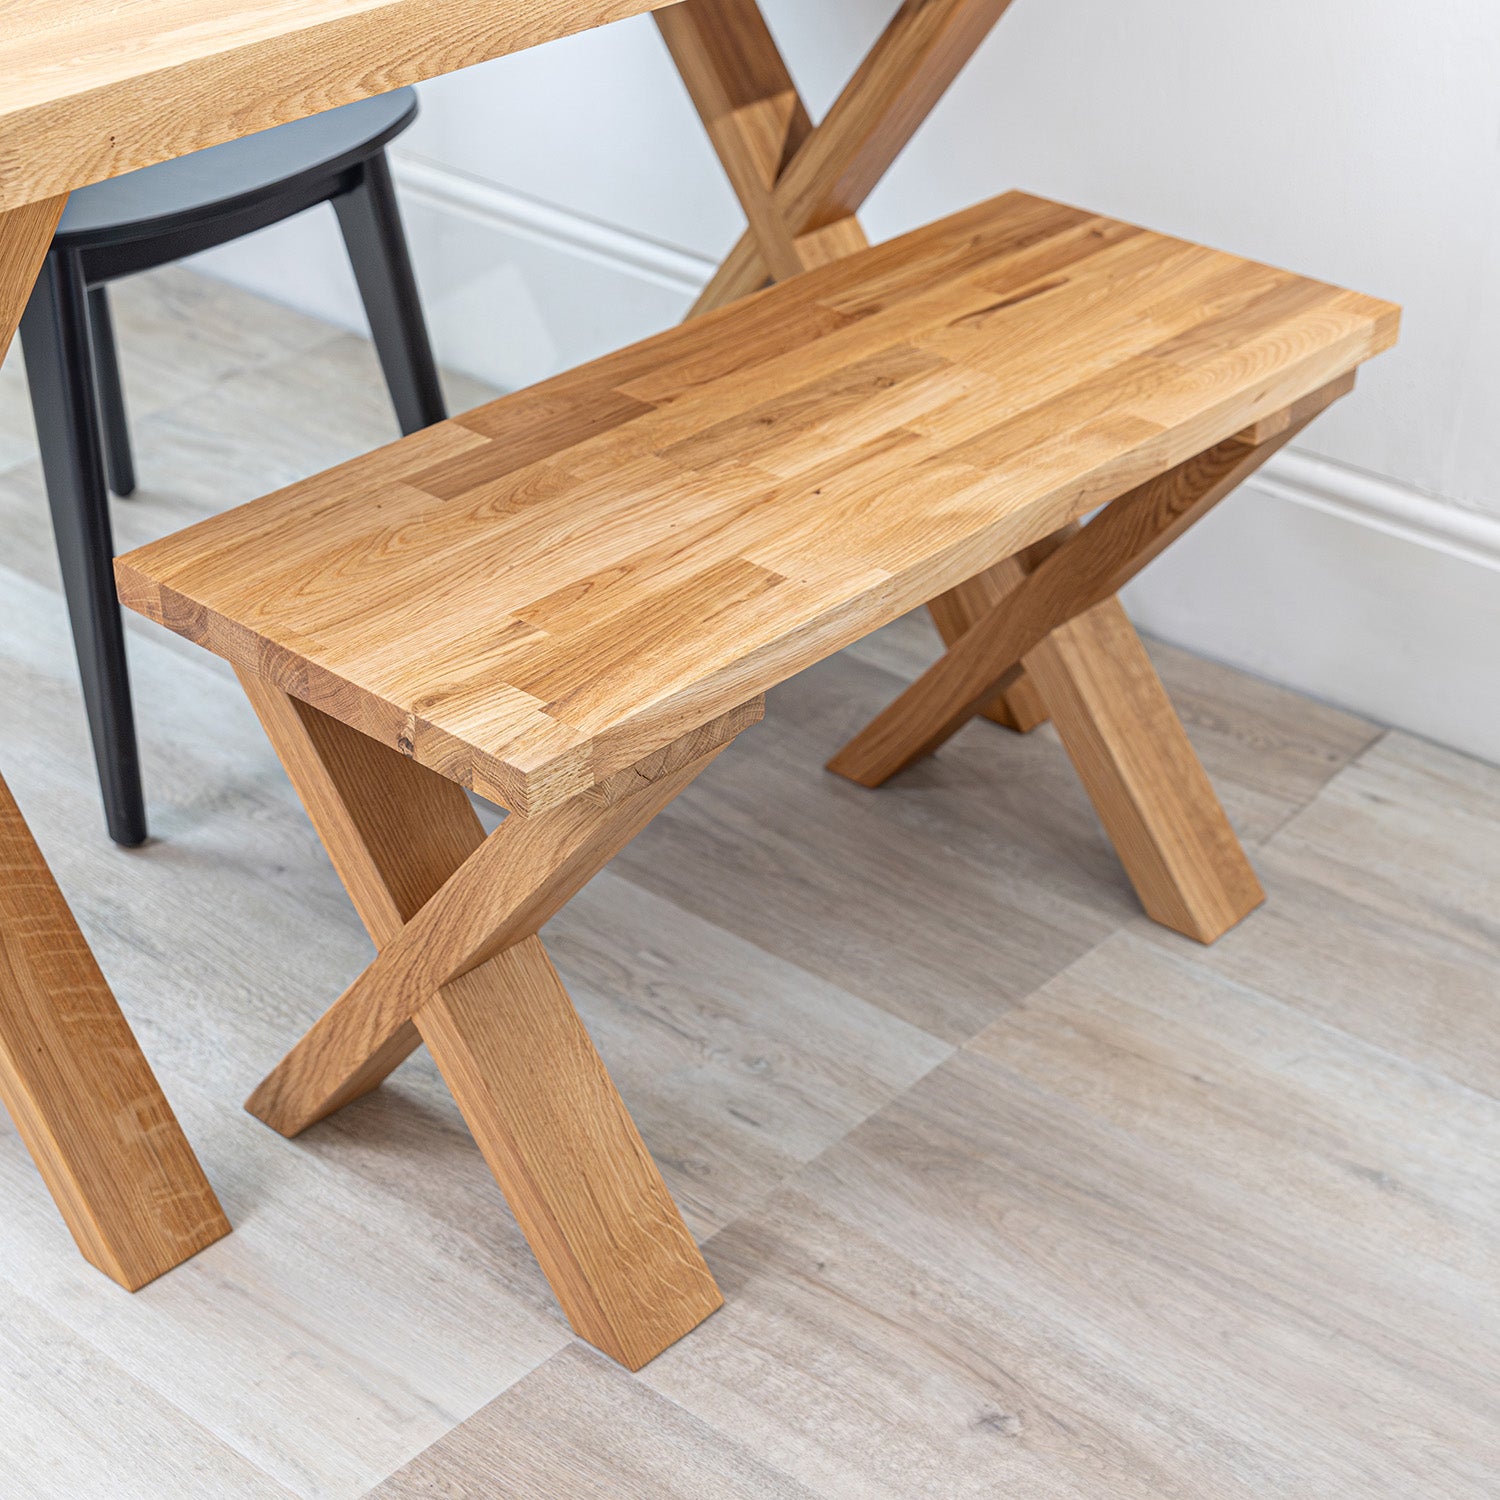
pixel 93 88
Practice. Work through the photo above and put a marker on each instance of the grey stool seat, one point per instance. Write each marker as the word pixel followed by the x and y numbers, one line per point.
pixel 150 218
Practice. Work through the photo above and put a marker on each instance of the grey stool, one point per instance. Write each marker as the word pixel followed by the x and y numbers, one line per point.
pixel 150 218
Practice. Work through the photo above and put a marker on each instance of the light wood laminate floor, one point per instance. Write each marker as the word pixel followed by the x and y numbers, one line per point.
pixel 1011 1192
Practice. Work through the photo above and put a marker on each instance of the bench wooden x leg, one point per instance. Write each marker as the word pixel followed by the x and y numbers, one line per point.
pixel 455 916
pixel 801 186
pixel 1055 612
pixel 81 1093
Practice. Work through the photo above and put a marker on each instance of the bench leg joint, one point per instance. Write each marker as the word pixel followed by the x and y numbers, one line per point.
pixel 1054 624
pixel 455 916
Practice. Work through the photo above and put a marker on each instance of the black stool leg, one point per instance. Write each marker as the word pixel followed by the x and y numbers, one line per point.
pixel 371 224
pixel 55 338
pixel 118 465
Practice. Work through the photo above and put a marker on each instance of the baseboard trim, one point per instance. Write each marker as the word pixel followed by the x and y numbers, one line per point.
pixel 1387 505
pixel 499 208
pixel 1300 478
pixel 1349 587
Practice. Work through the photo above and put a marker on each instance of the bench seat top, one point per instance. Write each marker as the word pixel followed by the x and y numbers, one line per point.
pixel 537 594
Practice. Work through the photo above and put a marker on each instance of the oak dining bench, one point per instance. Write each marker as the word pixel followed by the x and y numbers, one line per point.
pixel 572 599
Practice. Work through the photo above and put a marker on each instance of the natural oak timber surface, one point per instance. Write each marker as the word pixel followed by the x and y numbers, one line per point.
pixel 758 125
pixel 568 1157
pixel 725 53
pixel 469 974
pixel 81 1094
pixel 1017 705
pixel 394 830
pixel 642 544
pixel 505 891
pixel 25 234
pixel 93 88
pixel 750 107
pixel 1146 783
pixel 1084 569
pixel 1311 1101
pixel 922 50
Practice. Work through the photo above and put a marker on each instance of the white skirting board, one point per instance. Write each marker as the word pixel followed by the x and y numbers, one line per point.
pixel 1348 586
pixel 514 289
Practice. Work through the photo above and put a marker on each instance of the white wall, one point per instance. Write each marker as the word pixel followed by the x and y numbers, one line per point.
pixel 564 201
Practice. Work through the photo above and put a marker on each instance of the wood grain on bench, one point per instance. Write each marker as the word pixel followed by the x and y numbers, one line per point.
pixel 530 597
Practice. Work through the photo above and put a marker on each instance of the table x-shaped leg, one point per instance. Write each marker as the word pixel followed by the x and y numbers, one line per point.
pixel 1055 611
pixel 81 1093
pixel 801 186
pixel 455 917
